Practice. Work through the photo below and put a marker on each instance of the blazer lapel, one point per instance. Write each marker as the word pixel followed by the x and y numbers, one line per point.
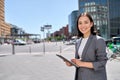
pixel 87 45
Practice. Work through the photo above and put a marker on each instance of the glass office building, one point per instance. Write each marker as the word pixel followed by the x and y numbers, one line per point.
pixel 72 23
pixel 114 17
pixel 105 14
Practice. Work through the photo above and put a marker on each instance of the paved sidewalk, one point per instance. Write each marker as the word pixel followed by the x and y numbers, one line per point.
pixel 44 67
pixel 34 67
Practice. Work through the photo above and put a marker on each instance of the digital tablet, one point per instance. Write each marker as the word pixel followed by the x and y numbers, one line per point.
pixel 60 56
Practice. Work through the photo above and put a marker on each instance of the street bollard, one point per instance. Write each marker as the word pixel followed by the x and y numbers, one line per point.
pixel 60 49
pixel 13 49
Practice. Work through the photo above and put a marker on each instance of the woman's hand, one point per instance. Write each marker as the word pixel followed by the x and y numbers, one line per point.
pixel 77 62
pixel 67 63
pixel 82 64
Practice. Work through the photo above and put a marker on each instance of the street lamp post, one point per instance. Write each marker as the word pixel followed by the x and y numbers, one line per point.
pixel 47 27
pixel 42 29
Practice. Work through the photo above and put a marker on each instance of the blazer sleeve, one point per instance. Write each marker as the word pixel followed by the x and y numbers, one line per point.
pixel 101 55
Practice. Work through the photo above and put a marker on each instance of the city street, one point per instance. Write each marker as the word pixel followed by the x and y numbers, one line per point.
pixel 39 66
pixel 34 48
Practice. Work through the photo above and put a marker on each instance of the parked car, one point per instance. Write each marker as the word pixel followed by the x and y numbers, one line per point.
pixel 72 41
pixel 19 42
pixel 116 40
pixel 36 40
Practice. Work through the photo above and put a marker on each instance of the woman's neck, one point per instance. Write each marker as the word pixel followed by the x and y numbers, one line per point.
pixel 86 35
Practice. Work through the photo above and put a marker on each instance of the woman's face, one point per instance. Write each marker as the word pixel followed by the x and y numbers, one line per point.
pixel 84 25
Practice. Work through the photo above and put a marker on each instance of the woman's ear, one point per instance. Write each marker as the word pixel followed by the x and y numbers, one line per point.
pixel 91 24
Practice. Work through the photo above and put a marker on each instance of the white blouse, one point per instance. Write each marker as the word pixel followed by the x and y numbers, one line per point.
pixel 82 45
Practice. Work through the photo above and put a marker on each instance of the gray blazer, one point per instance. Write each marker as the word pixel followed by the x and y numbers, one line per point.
pixel 95 52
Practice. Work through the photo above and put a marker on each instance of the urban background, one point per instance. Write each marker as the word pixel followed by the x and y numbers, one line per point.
pixel 106 15
pixel 38 64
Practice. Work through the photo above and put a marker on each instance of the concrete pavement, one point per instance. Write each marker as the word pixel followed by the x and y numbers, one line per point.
pixel 39 66
pixel 34 67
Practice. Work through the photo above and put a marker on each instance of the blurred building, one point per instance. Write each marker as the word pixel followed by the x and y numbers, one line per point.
pixel 114 17
pixel 4 27
pixel 62 32
pixel 72 18
pixel 16 31
pixel 105 13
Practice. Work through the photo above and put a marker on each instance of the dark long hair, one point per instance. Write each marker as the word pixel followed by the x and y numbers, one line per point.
pixel 93 31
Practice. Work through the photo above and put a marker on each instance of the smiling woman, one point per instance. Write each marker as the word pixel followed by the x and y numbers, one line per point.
pixel 90 51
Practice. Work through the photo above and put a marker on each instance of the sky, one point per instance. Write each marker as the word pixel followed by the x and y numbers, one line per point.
pixel 30 15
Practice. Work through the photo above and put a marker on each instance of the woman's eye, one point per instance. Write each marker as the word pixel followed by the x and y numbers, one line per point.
pixel 80 23
pixel 86 22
